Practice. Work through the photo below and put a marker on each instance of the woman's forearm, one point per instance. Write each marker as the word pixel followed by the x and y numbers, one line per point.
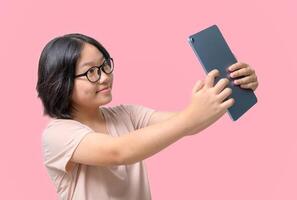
pixel 143 143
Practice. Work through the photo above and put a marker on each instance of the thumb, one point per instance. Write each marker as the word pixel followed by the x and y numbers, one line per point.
pixel 198 85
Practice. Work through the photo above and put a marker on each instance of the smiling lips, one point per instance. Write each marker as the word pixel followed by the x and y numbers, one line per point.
pixel 103 89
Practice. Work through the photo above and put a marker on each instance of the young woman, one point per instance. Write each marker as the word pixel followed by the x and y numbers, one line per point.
pixel 93 152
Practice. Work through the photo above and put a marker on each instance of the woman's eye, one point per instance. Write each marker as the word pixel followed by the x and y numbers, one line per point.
pixel 106 68
pixel 91 70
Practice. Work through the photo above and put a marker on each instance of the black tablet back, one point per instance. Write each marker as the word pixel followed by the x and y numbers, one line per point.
pixel 214 53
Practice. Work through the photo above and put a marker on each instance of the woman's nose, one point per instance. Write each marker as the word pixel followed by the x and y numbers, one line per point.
pixel 105 77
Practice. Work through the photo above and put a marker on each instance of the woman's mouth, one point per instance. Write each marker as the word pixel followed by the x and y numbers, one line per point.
pixel 106 90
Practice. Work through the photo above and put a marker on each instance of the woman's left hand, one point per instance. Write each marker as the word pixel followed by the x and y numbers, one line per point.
pixel 244 76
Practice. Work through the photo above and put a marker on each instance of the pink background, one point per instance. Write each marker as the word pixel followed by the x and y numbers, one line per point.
pixel 253 158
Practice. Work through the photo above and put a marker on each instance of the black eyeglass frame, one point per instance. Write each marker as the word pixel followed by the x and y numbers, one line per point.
pixel 99 69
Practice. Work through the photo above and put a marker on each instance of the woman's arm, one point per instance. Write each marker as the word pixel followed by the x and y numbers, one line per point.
pixel 159 116
pixel 102 150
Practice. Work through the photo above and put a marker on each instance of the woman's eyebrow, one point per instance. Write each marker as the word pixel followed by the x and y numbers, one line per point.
pixel 85 64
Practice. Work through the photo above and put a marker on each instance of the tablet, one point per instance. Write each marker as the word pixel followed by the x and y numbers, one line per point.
pixel 214 53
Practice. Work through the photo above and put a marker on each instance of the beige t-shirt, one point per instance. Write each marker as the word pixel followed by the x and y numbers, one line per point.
pixel 122 182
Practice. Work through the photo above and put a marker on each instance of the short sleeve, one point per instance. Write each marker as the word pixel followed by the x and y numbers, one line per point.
pixel 140 115
pixel 59 141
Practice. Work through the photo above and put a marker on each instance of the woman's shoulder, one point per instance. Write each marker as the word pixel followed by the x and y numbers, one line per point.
pixel 57 128
pixel 60 123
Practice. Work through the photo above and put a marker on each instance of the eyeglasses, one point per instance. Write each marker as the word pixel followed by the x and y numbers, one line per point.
pixel 94 73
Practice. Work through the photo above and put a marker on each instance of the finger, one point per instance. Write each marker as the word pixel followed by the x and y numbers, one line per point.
pixel 237 66
pixel 224 94
pixel 209 80
pixel 242 72
pixel 252 85
pixel 228 103
pixel 198 85
pixel 221 84
pixel 245 80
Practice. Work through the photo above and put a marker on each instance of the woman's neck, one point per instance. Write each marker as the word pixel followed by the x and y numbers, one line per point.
pixel 90 117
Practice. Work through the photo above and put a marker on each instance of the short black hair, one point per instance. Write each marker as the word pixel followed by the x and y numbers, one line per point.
pixel 56 71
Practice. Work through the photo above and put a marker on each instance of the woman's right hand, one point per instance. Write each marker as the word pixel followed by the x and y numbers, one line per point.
pixel 208 103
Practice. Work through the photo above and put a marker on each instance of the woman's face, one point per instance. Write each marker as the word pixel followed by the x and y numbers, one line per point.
pixel 85 93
